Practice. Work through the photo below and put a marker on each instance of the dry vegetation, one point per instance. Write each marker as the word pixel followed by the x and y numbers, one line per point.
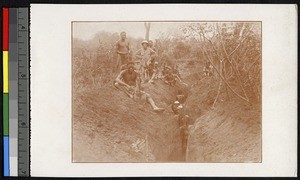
pixel 225 108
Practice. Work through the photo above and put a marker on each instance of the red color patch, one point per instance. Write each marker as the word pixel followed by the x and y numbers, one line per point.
pixel 5 29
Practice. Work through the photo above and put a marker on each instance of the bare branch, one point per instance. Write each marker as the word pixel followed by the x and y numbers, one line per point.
pixel 219 89
pixel 234 69
pixel 243 98
pixel 245 37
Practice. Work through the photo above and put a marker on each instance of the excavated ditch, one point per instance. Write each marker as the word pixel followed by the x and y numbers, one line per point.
pixel 172 142
pixel 118 129
pixel 107 126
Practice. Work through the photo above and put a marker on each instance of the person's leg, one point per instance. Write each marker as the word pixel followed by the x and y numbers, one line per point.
pixel 152 76
pixel 124 60
pixel 123 89
pixel 146 74
pixel 143 74
pixel 152 103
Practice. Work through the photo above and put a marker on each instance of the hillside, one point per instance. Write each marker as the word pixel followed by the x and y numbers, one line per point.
pixel 110 127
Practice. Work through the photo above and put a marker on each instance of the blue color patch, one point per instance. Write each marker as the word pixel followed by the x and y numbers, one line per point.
pixel 6 155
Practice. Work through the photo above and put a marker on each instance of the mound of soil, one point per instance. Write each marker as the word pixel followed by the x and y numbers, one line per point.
pixel 231 132
pixel 228 132
pixel 108 126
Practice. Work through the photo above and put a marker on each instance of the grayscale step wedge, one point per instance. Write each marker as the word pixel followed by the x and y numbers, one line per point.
pixel 23 94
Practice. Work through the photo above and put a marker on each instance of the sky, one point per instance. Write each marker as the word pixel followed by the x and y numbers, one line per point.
pixel 86 30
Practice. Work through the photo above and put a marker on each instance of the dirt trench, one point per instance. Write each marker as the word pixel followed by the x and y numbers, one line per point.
pixel 119 129
pixel 110 127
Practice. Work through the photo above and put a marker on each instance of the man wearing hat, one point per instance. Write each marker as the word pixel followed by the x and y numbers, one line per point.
pixel 128 82
pixel 144 55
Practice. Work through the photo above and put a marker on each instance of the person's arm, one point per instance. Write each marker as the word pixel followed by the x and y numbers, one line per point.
pixel 152 53
pixel 138 82
pixel 119 80
pixel 117 47
pixel 138 54
pixel 177 77
pixel 153 75
pixel 129 48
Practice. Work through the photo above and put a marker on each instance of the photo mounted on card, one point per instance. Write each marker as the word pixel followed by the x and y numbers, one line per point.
pixel 166 91
pixel 163 90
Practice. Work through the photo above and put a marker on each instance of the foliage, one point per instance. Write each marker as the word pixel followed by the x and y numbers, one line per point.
pixel 234 50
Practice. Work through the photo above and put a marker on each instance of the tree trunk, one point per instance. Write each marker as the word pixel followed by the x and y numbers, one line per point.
pixel 147 27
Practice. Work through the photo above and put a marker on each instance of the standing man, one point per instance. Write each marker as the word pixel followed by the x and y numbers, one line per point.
pixel 144 55
pixel 151 45
pixel 123 50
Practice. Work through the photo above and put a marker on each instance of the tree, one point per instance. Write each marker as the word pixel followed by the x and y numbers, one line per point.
pixel 231 49
pixel 147 27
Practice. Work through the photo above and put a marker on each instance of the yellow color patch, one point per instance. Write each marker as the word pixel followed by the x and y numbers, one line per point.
pixel 5 71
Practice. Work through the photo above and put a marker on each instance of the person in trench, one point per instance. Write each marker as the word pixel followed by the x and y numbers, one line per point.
pixel 128 81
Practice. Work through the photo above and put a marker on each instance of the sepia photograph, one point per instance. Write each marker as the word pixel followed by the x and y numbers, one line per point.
pixel 166 91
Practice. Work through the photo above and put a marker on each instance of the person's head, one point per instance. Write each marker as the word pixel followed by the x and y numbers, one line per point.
pixel 130 67
pixel 150 43
pixel 144 44
pixel 123 35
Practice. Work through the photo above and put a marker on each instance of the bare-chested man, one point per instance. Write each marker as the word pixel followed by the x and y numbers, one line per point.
pixel 123 49
pixel 128 82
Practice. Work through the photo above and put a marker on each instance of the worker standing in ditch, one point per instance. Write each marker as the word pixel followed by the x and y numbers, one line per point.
pixel 128 81
pixel 183 119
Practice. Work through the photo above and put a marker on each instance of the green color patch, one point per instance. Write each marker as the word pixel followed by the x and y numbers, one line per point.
pixel 5 114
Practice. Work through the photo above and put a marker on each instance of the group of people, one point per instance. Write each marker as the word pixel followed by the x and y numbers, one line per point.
pixel 171 75
pixel 145 57
pixel 144 69
pixel 134 73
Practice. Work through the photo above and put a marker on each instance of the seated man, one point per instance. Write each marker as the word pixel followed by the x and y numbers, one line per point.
pixel 128 81
pixel 176 71
pixel 169 78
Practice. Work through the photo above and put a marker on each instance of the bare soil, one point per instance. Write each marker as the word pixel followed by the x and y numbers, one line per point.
pixel 108 126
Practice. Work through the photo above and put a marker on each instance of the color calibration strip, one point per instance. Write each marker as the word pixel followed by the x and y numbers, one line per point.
pixel 16 111
pixel 5 92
